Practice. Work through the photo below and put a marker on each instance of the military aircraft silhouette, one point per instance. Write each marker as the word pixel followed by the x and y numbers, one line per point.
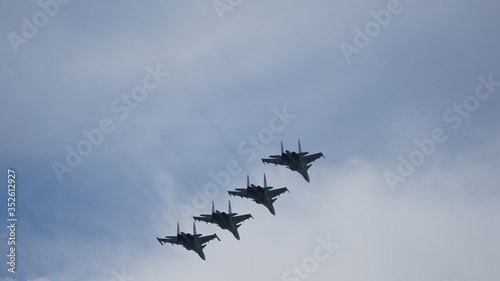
pixel 229 220
pixel 261 195
pixel 299 162
pixel 194 242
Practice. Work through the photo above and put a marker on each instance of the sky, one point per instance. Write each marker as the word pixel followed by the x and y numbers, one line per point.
pixel 121 119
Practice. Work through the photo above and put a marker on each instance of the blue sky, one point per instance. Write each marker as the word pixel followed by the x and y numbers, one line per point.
pixel 263 71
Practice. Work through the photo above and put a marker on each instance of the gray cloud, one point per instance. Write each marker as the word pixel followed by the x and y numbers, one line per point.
pixel 226 78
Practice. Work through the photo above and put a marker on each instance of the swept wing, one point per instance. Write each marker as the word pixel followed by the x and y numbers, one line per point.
pixel 169 239
pixel 205 239
pixel 241 192
pixel 276 192
pixel 276 160
pixel 311 158
pixel 207 219
pixel 241 218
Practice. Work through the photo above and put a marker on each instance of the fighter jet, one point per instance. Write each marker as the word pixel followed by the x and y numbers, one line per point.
pixel 195 242
pixel 229 220
pixel 261 195
pixel 294 161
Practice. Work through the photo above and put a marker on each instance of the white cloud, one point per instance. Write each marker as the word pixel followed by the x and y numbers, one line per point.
pixel 411 235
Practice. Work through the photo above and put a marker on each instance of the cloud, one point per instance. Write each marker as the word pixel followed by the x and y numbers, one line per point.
pixel 226 78
pixel 415 234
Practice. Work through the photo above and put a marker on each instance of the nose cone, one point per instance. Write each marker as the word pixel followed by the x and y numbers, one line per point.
pixel 271 209
pixel 202 255
pixel 305 175
pixel 307 178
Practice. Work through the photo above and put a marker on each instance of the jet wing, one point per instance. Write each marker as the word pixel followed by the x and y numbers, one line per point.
pixel 205 218
pixel 241 218
pixel 311 158
pixel 276 192
pixel 169 239
pixel 205 239
pixel 276 160
pixel 240 192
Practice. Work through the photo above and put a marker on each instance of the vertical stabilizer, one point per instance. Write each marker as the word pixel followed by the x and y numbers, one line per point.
pixel 229 207
pixel 300 149
pixel 194 229
pixel 248 180
pixel 213 207
pixel 282 151
pixel 265 181
pixel 178 229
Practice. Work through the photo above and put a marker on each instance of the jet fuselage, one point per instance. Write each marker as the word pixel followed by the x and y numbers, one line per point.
pixel 259 195
pixel 189 242
pixel 223 220
pixel 294 162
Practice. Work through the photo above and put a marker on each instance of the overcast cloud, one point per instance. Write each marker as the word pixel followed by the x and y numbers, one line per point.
pixel 123 118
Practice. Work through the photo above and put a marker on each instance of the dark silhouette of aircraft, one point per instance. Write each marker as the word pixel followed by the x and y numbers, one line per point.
pixel 261 195
pixel 229 220
pixel 299 162
pixel 194 242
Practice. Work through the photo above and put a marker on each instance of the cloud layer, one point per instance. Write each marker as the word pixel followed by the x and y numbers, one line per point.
pixel 227 78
